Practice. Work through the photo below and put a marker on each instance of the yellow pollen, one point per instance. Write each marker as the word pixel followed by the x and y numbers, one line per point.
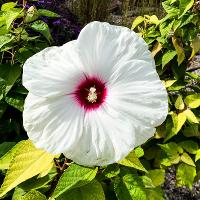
pixel 92 95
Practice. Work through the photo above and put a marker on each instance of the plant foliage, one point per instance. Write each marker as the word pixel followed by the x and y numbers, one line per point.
pixel 30 173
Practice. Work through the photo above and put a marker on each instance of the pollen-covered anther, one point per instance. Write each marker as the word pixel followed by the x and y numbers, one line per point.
pixel 92 95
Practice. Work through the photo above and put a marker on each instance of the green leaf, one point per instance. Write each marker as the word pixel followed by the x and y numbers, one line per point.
pixel 193 101
pixel 111 171
pixel 5 147
pixel 185 175
pixel 165 28
pixel 9 73
pixel 8 6
pixel 179 50
pixel 75 176
pixel 5 39
pixel 157 176
pixel 179 104
pixel 171 10
pixel 27 162
pixel 11 15
pixel 197 156
pixel 155 194
pixel 156 48
pixel 187 159
pixel 23 54
pixel 16 101
pixel 33 195
pixel 169 83
pixel 195 44
pixel 154 20
pixel 167 57
pixel 132 161
pixel 130 187
pixel 171 153
pixel 190 116
pixel 90 191
pixel 191 131
pixel 184 6
pixel 171 126
pixel 31 15
pixel 181 121
pixel 6 159
pixel 139 152
pixel 18 193
pixel 37 183
pixel 47 13
pixel 42 27
pixel 137 21
pixel 189 146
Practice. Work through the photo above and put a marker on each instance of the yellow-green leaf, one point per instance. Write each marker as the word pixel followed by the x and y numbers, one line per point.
pixel 181 120
pixel 187 159
pixel 197 156
pixel 190 116
pixel 156 48
pixel 27 162
pixel 74 176
pixel 184 6
pixel 167 57
pixel 195 44
pixel 154 20
pixel 34 195
pixel 90 191
pixel 132 161
pixel 193 101
pixel 6 159
pixel 169 83
pixel 179 104
pixel 157 176
pixel 137 21
pixel 185 175
pixel 179 50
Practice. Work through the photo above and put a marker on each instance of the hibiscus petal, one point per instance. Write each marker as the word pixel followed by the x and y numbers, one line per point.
pixel 54 71
pixel 55 124
pixel 103 45
pixel 105 140
pixel 136 90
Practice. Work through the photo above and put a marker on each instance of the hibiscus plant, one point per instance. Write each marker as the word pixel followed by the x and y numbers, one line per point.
pixel 105 117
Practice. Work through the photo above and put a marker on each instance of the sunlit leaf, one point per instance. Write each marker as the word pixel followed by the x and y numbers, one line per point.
pixel 179 104
pixel 137 21
pixel 187 159
pixel 189 146
pixel 190 116
pixel 75 176
pixel 90 191
pixel 195 44
pixel 33 195
pixel 132 161
pixel 185 175
pixel 167 57
pixel 179 50
pixel 130 187
pixel 193 101
pixel 27 162
pixel 184 6
pixel 157 47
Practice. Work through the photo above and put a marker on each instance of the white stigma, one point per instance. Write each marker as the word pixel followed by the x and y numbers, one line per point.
pixel 92 95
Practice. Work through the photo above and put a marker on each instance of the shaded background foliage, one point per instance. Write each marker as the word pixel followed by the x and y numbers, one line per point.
pixel 171 30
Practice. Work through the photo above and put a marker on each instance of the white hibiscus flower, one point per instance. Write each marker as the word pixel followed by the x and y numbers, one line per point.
pixel 96 98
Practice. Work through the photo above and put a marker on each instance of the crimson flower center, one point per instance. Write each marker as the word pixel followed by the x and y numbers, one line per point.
pixel 90 93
